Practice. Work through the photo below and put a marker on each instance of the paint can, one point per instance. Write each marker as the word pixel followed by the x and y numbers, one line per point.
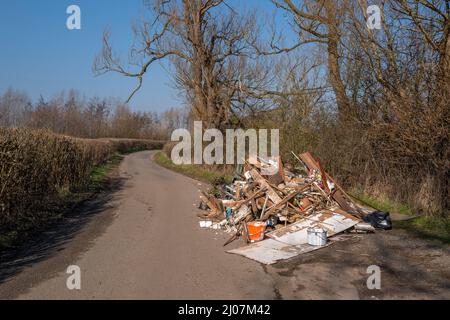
pixel 256 230
pixel 317 236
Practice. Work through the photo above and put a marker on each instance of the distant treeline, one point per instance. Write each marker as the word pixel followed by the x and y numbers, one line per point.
pixel 73 115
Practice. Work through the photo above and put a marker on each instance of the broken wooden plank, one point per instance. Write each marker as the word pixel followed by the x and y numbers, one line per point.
pixel 242 213
pixel 343 203
pixel 232 203
pixel 264 207
pixel 278 205
pixel 261 181
pixel 238 192
pixel 324 177
pixel 309 161
pixel 251 198
pixel 209 202
pixel 233 237
pixel 245 232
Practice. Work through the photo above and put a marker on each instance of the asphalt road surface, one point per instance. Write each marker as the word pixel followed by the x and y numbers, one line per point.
pixel 146 243
pixel 141 240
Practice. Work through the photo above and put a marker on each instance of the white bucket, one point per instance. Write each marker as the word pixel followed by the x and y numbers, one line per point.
pixel 317 236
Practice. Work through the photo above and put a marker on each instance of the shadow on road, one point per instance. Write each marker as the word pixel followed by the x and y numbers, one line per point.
pixel 46 244
pixel 411 268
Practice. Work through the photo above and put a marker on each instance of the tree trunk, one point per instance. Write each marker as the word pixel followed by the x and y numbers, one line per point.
pixel 334 37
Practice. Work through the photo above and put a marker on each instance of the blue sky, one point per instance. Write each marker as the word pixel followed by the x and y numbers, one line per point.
pixel 40 56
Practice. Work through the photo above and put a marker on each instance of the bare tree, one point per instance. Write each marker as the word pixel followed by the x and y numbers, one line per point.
pixel 208 44
pixel 13 105
pixel 430 18
pixel 320 22
pixel 96 116
pixel 175 118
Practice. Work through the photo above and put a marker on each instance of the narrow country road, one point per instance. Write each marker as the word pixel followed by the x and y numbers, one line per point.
pixel 150 246
pixel 140 239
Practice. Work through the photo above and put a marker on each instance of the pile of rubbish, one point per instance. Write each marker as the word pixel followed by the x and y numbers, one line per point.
pixel 282 214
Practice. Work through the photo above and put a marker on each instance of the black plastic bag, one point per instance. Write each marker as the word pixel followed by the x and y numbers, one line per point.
pixel 379 220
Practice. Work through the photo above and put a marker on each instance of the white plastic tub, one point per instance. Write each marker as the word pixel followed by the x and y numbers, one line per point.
pixel 317 236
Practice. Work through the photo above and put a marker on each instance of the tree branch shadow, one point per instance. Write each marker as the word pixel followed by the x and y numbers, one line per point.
pixel 48 243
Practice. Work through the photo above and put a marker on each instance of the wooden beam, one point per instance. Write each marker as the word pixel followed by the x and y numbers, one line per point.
pixel 263 183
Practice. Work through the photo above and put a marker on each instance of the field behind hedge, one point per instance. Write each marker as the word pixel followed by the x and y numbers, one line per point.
pixel 38 169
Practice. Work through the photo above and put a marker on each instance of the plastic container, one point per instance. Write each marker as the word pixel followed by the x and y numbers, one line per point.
pixel 317 236
pixel 256 230
pixel 206 224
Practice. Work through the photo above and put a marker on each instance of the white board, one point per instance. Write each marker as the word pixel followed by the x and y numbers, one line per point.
pixel 330 220
pixel 270 251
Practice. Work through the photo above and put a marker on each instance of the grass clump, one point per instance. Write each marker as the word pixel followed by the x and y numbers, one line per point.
pixel 382 204
pixel 194 171
pixel 431 228
pixel 100 173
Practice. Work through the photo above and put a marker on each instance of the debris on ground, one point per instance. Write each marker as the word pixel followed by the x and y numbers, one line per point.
pixel 283 214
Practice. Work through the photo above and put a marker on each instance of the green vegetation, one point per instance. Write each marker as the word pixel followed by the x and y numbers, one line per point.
pixel 193 171
pixel 100 173
pixel 382 204
pixel 431 228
